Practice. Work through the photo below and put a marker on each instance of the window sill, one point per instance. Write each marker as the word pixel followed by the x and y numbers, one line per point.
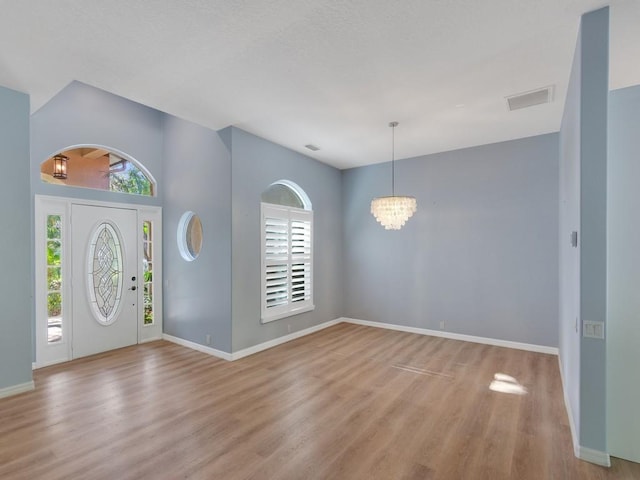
pixel 290 313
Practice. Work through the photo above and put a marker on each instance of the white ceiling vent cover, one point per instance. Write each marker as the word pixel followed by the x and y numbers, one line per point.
pixel 529 99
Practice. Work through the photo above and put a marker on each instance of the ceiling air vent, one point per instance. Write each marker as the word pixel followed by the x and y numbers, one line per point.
pixel 313 148
pixel 529 99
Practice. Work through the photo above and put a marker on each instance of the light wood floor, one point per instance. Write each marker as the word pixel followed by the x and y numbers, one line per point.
pixel 349 402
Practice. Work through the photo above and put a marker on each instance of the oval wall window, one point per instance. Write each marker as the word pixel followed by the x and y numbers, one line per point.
pixel 190 236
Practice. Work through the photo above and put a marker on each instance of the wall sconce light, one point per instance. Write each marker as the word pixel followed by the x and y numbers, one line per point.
pixel 60 166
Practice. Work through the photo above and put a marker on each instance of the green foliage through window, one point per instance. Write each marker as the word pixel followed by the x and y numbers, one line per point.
pixel 54 277
pixel 147 244
pixel 129 179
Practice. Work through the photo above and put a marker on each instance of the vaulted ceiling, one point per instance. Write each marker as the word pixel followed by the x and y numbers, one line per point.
pixel 332 73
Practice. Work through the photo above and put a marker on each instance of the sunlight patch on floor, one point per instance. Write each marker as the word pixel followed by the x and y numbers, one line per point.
pixel 507 384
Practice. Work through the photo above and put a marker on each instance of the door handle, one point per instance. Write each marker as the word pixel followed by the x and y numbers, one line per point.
pixel 133 288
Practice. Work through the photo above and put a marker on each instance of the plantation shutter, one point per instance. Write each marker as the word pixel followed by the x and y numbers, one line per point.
pixel 287 247
pixel 300 228
pixel 276 259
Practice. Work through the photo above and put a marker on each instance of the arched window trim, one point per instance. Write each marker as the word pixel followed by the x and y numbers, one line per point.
pixel 118 152
pixel 302 195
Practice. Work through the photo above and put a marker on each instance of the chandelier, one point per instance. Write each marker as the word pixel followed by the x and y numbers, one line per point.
pixel 393 211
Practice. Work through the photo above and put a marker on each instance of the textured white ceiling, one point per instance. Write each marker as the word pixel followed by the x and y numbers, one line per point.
pixel 328 72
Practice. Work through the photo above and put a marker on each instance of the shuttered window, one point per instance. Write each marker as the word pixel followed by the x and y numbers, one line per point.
pixel 287 258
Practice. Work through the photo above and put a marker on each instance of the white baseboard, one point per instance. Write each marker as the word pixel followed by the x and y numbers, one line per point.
pixel 197 346
pixel 455 336
pixel 567 406
pixel 152 339
pixel 279 341
pixel 594 456
pixel 251 350
pixel 583 453
pixel 307 331
pixel 36 365
pixel 16 389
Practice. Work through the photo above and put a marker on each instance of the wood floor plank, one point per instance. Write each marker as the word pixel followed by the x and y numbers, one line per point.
pixel 348 402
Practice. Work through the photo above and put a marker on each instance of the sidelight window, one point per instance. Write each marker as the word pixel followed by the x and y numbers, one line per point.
pixel 54 278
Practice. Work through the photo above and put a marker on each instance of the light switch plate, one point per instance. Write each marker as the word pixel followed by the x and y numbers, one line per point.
pixel 592 329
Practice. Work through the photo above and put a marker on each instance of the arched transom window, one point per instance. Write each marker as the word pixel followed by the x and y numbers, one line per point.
pixel 98 168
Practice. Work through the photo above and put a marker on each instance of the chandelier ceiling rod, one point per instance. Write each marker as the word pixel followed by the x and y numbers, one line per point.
pixel 393 126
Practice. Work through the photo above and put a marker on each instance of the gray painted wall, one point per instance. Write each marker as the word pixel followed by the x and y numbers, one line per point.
pixel 256 163
pixel 623 274
pixel 569 264
pixel 584 153
pixel 197 294
pixel 81 114
pixel 15 214
pixel 593 223
pixel 481 252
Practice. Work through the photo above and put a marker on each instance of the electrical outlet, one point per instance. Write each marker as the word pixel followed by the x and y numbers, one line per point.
pixel 207 339
pixel 442 325
pixel 592 329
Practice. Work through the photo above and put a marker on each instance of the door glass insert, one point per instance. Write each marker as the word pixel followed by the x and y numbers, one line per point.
pixel 54 278
pixel 104 272
pixel 147 268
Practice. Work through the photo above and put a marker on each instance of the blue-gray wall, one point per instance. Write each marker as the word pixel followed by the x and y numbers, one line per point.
pixel 80 115
pixel 16 261
pixel 197 294
pixel 584 152
pixel 481 252
pixel 623 274
pixel 569 263
pixel 256 163
pixel 593 223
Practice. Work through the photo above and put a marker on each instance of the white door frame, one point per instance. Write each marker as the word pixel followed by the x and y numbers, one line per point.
pixel 51 353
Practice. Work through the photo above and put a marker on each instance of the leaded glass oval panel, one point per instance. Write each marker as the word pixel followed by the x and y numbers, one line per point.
pixel 104 273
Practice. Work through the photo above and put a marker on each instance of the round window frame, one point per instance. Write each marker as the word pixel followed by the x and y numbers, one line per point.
pixel 182 236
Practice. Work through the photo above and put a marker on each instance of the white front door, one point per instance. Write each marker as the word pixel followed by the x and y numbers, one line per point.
pixel 105 284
